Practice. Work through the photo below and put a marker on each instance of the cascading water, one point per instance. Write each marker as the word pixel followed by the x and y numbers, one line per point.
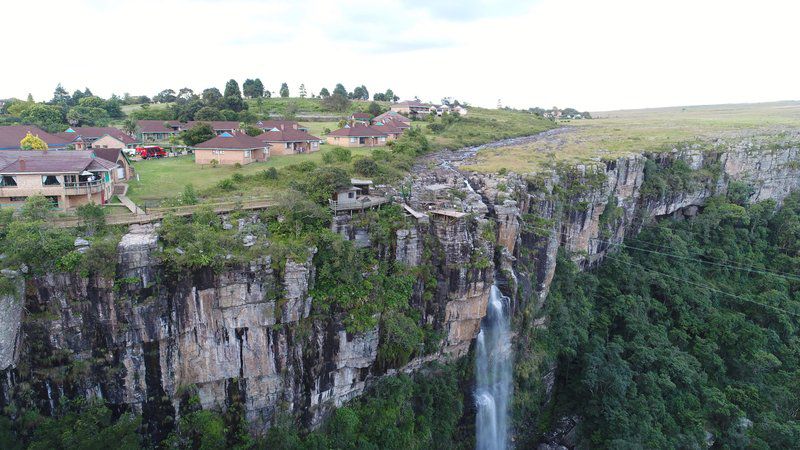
pixel 493 375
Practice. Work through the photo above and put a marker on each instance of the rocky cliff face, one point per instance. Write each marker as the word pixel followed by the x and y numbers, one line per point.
pixel 147 338
pixel 250 335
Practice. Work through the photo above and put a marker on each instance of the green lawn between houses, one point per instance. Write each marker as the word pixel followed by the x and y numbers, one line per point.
pixel 167 177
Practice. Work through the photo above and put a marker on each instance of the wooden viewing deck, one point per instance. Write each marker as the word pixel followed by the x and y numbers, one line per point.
pixel 359 204
pixel 155 214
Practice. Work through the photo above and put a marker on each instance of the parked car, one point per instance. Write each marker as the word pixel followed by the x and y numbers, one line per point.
pixel 151 151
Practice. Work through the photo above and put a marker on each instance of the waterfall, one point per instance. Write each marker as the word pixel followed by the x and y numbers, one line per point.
pixel 50 398
pixel 493 375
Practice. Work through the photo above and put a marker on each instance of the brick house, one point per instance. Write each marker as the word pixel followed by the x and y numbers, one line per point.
pixel 289 142
pixel 392 128
pixel 231 148
pixel 391 115
pixel 357 136
pixel 162 130
pixel 124 171
pixel 69 178
pixel 85 137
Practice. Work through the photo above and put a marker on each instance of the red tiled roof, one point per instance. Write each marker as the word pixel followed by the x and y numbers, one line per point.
pixel 109 154
pixel 389 126
pixel 51 162
pixel 358 131
pixel 279 124
pixel 289 135
pixel 12 134
pixel 236 141
pixel 154 126
pixel 96 133
pixel 392 115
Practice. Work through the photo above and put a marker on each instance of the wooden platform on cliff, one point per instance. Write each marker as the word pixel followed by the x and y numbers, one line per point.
pixel 360 204
pixel 156 214
pixel 448 214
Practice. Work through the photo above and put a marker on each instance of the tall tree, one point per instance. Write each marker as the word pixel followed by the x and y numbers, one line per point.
pixel 390 97
pixel 284 90
pixel 211 96
pixel 232 89
pixel 324 93
pixel 258 88
pixel 197 134
pixel 232 98
pixel 185 94
pixel 165 96
pixel 129 126
pixel 302 90
pixel 360 93
pixel 248 88
pixel 60 96
pixel 339 89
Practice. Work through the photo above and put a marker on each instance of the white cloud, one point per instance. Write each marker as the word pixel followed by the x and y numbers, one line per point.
pixel 588 54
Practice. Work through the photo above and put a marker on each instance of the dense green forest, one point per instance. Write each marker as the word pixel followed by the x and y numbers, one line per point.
pixel 687 337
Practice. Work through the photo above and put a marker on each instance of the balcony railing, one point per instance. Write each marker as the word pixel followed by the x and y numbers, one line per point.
pixel 84 187
pixel 361 203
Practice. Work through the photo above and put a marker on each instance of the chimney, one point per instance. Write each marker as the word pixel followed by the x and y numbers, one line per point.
pixel 21 164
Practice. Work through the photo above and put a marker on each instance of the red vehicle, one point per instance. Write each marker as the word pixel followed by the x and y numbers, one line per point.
pixel 151 151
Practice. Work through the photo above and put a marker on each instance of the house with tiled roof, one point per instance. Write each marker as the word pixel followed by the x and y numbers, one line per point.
pixel 109 137
pixel 392 128
pixel 289 142
pixel 360 118
pixel 156 130
pixel 267 125
pixel 391 115
pixel 124 169
pixel 162 130
pixel 69 178
pixel 411 107
pixel 357 136
pixel 10 137
pixel 231 148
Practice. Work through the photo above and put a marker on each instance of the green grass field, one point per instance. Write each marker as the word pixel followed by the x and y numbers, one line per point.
pixel 163 178
pixel 619 133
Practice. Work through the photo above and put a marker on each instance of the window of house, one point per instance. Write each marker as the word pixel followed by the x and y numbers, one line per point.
pixel 50 180
pixel 247 153
pixel 351 195
pixel 18 199
pixel 8 181
pixel 288 145
pixel 353 140
pixel 217 152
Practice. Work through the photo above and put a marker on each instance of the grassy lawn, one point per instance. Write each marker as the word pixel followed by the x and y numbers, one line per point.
pixel 167 177
pixel 276 106
pixel 618 133
pixel 317 128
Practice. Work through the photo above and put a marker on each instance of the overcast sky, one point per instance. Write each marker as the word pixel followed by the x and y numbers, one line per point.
pixel 589 54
